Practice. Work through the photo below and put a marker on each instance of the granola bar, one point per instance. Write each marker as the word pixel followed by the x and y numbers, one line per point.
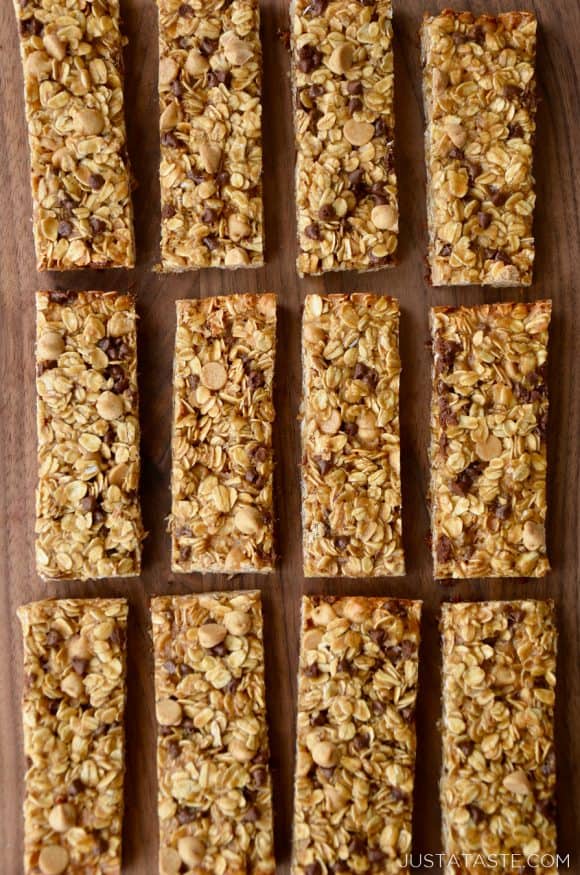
pixel 355 756
pixel 480 98
pixel 499 766
pixel 222 468
pixel 73 85
pixel 214 794
pixel 346 188
pixel 88 516
pixel 351 481
pixel 73 710
pixel 210 82
pixel 489 416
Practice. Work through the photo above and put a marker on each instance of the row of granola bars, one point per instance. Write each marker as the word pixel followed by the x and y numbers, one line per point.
pixel 356 739
pixel 488 437
pixel 479 89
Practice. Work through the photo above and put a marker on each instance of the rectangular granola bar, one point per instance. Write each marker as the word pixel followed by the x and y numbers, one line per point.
pixel 72 58
pixel 355 754
pixel 214 793
pixel 480 100
pixel 489 416
pixel 88 515
pixel 210 83
pixel 499 767
pixel 351 481
pixel 222 459
pixel 343 82
pixel 73 711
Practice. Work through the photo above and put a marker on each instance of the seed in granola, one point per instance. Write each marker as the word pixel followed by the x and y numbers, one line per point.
pixel 53 860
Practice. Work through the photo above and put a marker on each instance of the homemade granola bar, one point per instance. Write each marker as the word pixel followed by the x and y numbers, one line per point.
pixel 480 100
pixel 88 516
pixel 210 72
pixel 355 756
pixel 214 794
pixel 222 461
pixel 73 85
pixel 351 481
pixel 499 767
pixel 343 82
pixel 73 710
pixel 489 416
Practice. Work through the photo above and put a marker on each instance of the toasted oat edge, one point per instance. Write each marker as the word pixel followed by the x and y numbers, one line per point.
pixel 307 602
pixel 91 294
pixel 294 91
pixel 165 265
pixel 182 306
pixel 425 44
pixel 333 299
pixel 447 610
pixel 496 310
pixel 43 263
pixel 26 616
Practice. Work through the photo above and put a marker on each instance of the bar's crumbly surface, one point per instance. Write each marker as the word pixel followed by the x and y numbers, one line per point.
pixel 88 515
pixel 214 793
pixel 480 99
pixel 222 459
pixel 210 72
pixel 73 85
pixel 499 767
pixel 489 416
pixel 343 82
pixel 351 481
pixel 73 711
pixel 355 757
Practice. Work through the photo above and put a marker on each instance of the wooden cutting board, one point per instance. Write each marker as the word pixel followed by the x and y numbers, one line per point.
pixel 558 260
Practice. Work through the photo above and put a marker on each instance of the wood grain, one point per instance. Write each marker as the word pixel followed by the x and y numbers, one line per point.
pixel 557 232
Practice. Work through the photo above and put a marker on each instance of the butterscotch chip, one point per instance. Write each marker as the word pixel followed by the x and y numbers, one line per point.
pixel 73 86
pixel 351 483
pixel 489 413
pixel 210 89
pixel 88 516
pixel 214 787
pixel 499 767
pixel 222 461
pixel 343 82
pixel 480 103
pixel 74 744
pixel 355 751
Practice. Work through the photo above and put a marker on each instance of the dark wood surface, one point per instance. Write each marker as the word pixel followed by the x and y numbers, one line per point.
pixel 557 233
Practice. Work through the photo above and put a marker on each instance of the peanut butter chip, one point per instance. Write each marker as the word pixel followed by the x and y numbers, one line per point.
pixel 517 782
pixel 324 754
pixel 109 406
pixel 237 622
pixel 240 752
pixel 191 850
pixel 196 64
pixel 238 227
pixel 214 376
pixel 169 712
pixel 53 860
pixel 237 52
pixel 248 520
pixel 211 156
pixel 385 217
pixel 358 133
pixel 212 634
pixel 169 862
pixel 168 70
pixel 62 817
pixel 50 346
pixel 236 257
pixel 534 536
pixel 54 46
pixel 332 424
pixel 340 60
pixel 455 132
pixel 89 122
pixel 38 64
pixel 489 449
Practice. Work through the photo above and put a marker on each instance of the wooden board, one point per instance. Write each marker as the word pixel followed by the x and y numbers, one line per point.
pixel 557 232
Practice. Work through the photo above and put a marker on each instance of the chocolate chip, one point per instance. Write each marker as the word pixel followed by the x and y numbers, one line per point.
pixel 355 104
pixel 375 855
pixel 320 719
pixel 357 846
pixel 312 670
pixel 79 665
pixel 256 379
pixel 207 46
pixel 209 216
pixel 53 638
pixel 476 814
pixel 185 10
pixel 96 181
pixel 323 465
pixel 313 868
pixel 382 128
pixel 378 708
pixel 222 178
pixel 354 86
pixel 456 154
pixel 408 714
pixel 498 198
pixel 446 250
pixel 366 374
pixel 316 91
pixel 177 88
pixel 260 777
pixel 219 77
pixel 360 741
pixel 309 58
pixel 515 130
pixel 31 27
pixel 350 428
pixel 211 243
pixel 484 220
pixel 444 549
pixel 445 352
pixel 344 666
pixel 342 542
pixel 316 7
pixel 327 213
pixel 511 92
pixel 64 229
pixel 167 211
pixel 259 452
pixel 515 615
pixel 168 138
pixel 549 764
pixel 465 479
pixel 313 231
pixel 97 225
pixel 173 749
pixel 186 815
pixel 76 788
pixel 377 635
pixel 459 38
pixel 251 815
pixel 398 794
pixel 466 747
